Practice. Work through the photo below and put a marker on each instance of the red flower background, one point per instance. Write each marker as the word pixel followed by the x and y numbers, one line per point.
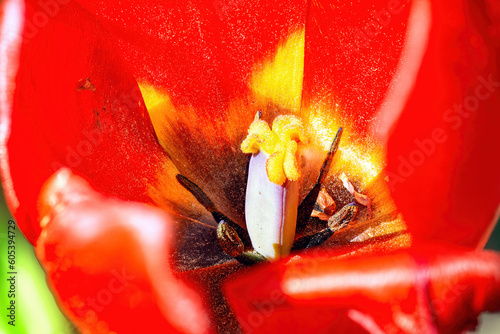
pixel 127 95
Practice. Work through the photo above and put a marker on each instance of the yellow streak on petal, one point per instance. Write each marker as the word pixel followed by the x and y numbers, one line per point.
pixel 158 104
pixel 363 158
pixel 279 80
pixel 167 193
pixel 357 156
pixel 152 97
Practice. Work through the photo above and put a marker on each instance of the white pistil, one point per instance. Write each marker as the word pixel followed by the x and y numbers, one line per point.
pixel 270 210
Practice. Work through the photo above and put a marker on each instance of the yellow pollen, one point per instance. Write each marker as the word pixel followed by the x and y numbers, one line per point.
pixel 280 143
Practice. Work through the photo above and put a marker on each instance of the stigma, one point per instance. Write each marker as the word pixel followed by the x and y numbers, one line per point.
pixel 279 145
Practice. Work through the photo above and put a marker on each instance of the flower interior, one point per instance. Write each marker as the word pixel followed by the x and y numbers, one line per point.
pixel 270 178
pixel 282 168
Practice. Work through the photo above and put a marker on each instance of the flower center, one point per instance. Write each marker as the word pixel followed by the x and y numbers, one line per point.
pixel 279 144
pixel 284 162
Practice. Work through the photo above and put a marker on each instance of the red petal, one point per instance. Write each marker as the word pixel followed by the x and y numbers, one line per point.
pixel 201 55
pixel 108 262
pixel 442 155
pixel 352 49
pixel 100 128
pixel 201 51
pixel 427 291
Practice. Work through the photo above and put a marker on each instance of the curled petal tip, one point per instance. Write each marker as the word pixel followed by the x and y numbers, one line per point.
pixel 105 257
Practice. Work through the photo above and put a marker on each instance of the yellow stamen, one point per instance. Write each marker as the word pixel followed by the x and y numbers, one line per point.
pixel 280 143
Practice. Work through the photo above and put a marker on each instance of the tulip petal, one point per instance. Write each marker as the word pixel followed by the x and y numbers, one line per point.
pixel 73 103
pixel 352 49
pixel 108 262
pixel 206 67
pixel 351 52
pixel 209 66
pixel 201 52
pixel 430 290
pixel 442 150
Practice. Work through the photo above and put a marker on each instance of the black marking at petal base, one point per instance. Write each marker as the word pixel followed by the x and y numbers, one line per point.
pixel 207 203
pixel 196 247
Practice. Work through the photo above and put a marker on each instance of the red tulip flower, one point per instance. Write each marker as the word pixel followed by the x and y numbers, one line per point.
pixel 103 105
